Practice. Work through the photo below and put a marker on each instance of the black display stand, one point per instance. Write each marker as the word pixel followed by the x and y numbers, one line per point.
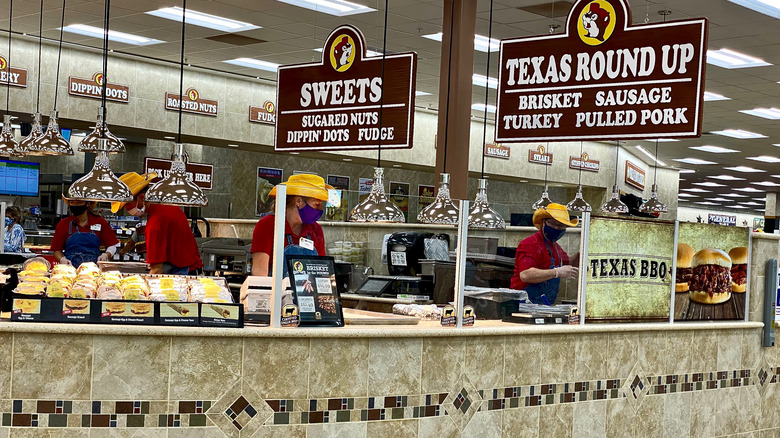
pixel 314 291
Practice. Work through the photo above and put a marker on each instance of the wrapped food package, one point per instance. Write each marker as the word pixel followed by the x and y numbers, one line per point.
pixel 37 264
pixel 63 269
pixel 30 288
pixel 174 288
pixel 88 268
pixel 207 290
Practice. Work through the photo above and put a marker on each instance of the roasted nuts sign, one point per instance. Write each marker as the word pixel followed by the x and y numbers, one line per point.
pixel 635 175
pixel 94 88
pixel 347 100
pixel 497 151
pixel 265 114
pixel 16 77
pixel 584 163
pixel 191 102
pixel 603 78
pixel 199 173
pixel 540 156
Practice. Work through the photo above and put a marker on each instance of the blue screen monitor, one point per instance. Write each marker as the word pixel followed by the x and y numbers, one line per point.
pixel 19 178
pixel 65 133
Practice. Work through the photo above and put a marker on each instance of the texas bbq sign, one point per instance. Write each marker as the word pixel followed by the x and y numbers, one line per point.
pixel 335 104
pixel 603 78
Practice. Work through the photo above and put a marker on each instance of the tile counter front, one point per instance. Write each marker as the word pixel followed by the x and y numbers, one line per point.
pixel 703 379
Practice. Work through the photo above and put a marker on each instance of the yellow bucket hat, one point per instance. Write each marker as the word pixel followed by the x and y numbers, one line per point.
pixel 306 184
pixel 135 183
pixel 553 211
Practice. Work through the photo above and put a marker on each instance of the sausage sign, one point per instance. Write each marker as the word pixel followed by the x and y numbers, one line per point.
pixel 334 104
pixel 603 79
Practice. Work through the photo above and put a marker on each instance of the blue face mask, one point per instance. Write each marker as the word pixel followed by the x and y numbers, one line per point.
pixel 8 221
pixel 553 234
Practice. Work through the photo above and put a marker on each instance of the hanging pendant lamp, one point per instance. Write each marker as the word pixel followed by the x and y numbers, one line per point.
pixel 377 207
pixel 100 184
pixel 578 203
pixel 442 210
pixel 26 145
pixel 177 188
pixel 654 205
pixel 614 204
pixel 482 214
pixel 8 144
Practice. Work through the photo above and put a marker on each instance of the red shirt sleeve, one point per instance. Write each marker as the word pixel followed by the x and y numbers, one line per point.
pixel 263 235
pixel 524 259
pixel 107 235
pixel 319 239
pixel 60 235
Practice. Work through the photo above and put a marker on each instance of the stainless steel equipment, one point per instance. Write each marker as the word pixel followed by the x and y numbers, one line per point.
pixel 225 255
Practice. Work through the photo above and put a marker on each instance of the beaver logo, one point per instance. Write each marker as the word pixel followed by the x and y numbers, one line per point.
pixel 98 78
pixel 269 106
pixel 193 94
pixel 3 63
pixel 298 266
pixel 596 22
pixel 342 53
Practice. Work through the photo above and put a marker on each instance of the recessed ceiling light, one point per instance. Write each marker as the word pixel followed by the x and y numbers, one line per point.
pixel 295 153
pixel 369 52
pixel 752 203
pixel 694 161
pixel 686 195
pixel 339 8
pixel 397 165
pixel 767 113
pixel 421 93
pixel 687 171
pixel 651 156
pixel 766 7
pixel 347 159
pixel 169 138
pixel 204 20
pixel 765 159
pixel 766 184
pixel 735 195
pixel 726 178
pixel 709 184
pixel 113 35
pixel 760 199
pixel 714 149
pixel 718 199
pixel 523 180
pixel 706 203
pixel 696 190
pixel 728 58
pixel 233 145
pixel 749 190
pixel 480 42
pixel 482 106
pixel 254 63
pixel 744 169
pixel 483 81
pixel 739 133
pixel 735 206
pixel 711 97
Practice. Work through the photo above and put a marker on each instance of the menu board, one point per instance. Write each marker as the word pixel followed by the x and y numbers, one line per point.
pixel 314 290
pixel 717 263
pixel 628 269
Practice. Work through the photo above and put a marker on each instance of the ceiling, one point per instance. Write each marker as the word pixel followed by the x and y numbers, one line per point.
pixel 291 34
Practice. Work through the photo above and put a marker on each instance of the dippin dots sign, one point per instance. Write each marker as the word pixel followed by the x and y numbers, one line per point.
pixel 603 78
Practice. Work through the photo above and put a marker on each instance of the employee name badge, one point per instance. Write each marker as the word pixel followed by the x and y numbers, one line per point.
pixel 306 243
pixel 95 227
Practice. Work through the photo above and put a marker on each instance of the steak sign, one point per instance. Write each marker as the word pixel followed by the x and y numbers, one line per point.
pixel 603 79
pixel 346 100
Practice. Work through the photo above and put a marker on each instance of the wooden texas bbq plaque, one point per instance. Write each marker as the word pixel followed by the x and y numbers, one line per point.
pixel 334 104
pixel 603 78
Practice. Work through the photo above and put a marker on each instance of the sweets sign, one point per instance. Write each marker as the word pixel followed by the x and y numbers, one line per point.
pixel 603 78
pixel 94 88
pixel 335 104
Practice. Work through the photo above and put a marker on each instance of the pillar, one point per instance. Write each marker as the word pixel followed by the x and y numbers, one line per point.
pixel 771 213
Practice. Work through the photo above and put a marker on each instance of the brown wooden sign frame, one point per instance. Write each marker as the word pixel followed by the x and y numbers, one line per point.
pixel 631 181
pixel 122 90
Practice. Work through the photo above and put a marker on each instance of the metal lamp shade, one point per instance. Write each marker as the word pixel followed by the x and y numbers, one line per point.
pixel 176 188
pixel 653 205
pixel 442 210
pixel 8 142
pixel 376 207
pixel 578 203
pixel 52 142
pixel 544 201
pixel 614 205
pixel 35 134
pixel 100 184
pixel 481 214
pixel 90 142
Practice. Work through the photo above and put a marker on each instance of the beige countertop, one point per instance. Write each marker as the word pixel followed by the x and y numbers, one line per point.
pixel 424 329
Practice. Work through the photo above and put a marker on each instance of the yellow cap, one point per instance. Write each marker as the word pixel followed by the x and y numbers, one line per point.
pixel 135 183
pixel 306 184
pixel 553 211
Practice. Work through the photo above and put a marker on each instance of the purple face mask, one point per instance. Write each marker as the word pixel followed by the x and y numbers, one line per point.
pixel 309 214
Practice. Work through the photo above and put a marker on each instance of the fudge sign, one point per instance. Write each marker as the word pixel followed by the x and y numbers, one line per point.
pixel 603 78
pixel 334 104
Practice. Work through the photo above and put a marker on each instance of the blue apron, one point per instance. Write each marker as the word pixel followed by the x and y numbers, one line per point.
pixel 292 250
pixel 547 288
pixel 81 247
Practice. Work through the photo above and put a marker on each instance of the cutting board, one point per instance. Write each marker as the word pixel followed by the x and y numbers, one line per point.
pixel 365 317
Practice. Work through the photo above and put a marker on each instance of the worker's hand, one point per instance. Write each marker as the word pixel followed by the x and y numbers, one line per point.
pixel 567 271
pixel 64 261
pixel 104 257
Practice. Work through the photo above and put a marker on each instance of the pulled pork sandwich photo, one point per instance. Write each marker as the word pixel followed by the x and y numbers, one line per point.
pixel 711 279
pixel 739 259
pixel 684 271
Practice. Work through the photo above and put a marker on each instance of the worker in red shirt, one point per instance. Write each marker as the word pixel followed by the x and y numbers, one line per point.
pixel 79 237
pixel 540 263
pixel 306 198
pixel 170 244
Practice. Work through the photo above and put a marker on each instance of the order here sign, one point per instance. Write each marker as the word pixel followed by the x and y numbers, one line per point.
pixel 603 78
